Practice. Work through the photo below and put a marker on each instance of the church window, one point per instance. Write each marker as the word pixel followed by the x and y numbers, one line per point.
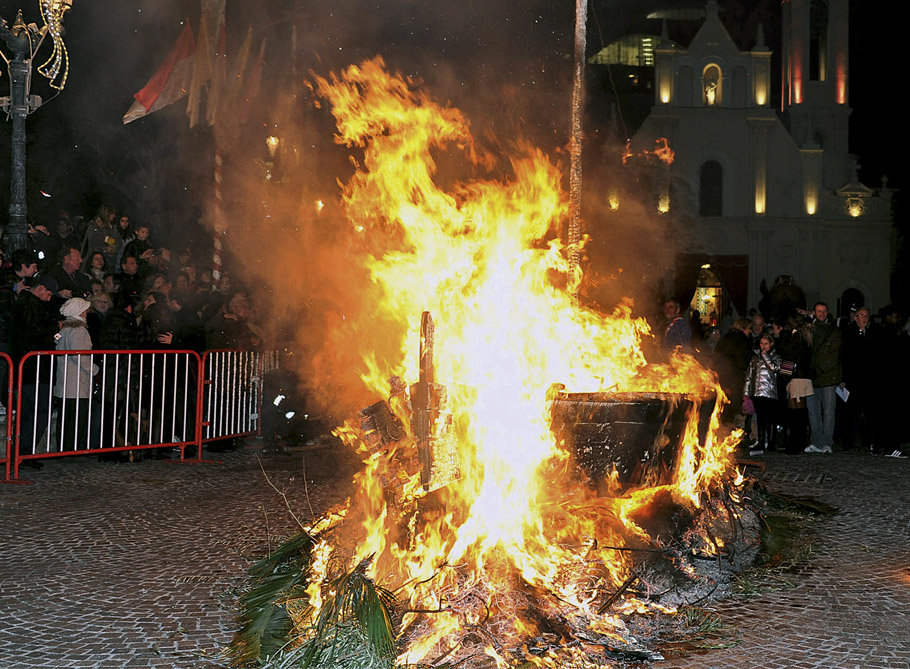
pixel 710 189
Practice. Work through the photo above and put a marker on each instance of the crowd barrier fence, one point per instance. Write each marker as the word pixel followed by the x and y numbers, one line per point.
pixel 6 379
pixel 79 402
pixel 232 393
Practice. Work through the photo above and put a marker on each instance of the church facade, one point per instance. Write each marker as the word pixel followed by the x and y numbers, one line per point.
pixel 756 195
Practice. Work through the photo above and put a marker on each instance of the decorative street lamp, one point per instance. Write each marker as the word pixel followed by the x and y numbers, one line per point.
pixel 24 41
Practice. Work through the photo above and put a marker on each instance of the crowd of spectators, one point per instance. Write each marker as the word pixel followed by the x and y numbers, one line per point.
pixel 142 295
pixel 808 383
pixel 105 284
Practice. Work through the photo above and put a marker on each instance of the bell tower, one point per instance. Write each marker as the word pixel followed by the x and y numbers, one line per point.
pixel 815 86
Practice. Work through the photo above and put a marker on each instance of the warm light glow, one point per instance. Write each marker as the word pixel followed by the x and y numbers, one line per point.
pixel 663 203
pixel 761 96
pixel 272 142
pixel 484 258
pixel 665 83
pixel 614 201
pixel 760 198
pixel 811 204
pixel 855 206
pixel 319 206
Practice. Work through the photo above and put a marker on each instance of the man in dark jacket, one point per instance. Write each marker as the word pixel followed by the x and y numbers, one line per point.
pixel 33 329
pixel 862 345
pixel 826 375
pixel 71 282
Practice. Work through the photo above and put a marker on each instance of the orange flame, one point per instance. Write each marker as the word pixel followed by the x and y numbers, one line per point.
pixel 663 152
pixel 485 259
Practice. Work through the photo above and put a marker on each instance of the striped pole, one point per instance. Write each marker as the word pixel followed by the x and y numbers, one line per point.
pixel 218 223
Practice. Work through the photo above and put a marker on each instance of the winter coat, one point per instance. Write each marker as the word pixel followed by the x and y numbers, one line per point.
pixel 761 375
pixel 794 348
pixel 826 362
pixel 74 372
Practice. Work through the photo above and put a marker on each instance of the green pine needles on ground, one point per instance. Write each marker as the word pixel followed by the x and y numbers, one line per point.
pixel 353 628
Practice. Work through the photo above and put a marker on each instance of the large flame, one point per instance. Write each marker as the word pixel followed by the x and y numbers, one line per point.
pixel 484 258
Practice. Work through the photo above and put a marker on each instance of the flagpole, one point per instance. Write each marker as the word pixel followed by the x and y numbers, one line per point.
pixel 218 224
pixel 578 92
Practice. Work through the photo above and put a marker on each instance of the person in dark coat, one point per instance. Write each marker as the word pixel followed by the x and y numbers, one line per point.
pixel 826 376
pixel 71 281
pixel 795 348
pixel 861 347
pixel 678 333
pixel 34 327
pixel 732 354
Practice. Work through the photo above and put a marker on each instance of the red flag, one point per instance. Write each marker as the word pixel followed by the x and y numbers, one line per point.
pixel 171 81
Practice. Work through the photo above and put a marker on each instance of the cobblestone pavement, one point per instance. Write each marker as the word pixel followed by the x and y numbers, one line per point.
pixel 848 605
pixel 135 564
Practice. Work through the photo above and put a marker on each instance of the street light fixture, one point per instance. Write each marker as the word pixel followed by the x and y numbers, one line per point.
pixel 24 41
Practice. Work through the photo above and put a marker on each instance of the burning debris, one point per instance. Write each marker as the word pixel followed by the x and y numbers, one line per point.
pixel 499 520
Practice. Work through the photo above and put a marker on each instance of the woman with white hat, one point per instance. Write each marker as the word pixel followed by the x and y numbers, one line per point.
pixel 74 377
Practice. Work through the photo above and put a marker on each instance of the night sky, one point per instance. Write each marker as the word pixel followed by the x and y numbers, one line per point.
pixel 506 64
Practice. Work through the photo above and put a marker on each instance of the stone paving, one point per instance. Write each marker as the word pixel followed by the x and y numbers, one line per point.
pixel 136 564
pixel 849 604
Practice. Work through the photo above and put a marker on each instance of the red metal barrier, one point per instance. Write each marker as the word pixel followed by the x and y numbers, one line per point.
pixel 6 371
pixel 76 402
pixel 231 399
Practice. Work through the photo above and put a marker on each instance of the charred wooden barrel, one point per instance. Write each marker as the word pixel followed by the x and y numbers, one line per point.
pixel 638 433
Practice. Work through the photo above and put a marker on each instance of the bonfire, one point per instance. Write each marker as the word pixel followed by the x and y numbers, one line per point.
pixel 474 537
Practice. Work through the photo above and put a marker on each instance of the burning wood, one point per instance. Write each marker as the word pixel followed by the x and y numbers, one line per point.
pixel 471 508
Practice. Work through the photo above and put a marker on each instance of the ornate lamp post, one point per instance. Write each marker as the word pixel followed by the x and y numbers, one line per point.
pixel 24 41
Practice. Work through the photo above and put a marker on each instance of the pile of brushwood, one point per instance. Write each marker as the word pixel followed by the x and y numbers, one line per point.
pixel 356 625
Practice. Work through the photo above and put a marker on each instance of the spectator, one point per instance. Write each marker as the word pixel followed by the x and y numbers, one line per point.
pixel 826 375
pixel 101 305
pixel 73 386
pixel 131 279
pixel 733 355
pixel 125 228
pixel 140 248
pixel 34 327
pixel 46 246
pixel 761 389
pixel 678 333
pixel 24 266
pixel 101 236
pixel 188 332
pixel 795 348
pixel 111 283
pixel 96 266
pixel 861 347
pixel 231 327
pixel 71 282
pixel 756 329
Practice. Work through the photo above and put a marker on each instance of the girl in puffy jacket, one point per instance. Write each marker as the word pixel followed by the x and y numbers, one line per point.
pixel 761 388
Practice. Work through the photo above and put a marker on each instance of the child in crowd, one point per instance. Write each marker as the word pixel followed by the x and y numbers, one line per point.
pixel 761 391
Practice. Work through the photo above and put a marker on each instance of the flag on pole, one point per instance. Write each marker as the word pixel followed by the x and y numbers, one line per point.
pixel 171 81
pixel 202 73
pixel 208 67
pixel 251 90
